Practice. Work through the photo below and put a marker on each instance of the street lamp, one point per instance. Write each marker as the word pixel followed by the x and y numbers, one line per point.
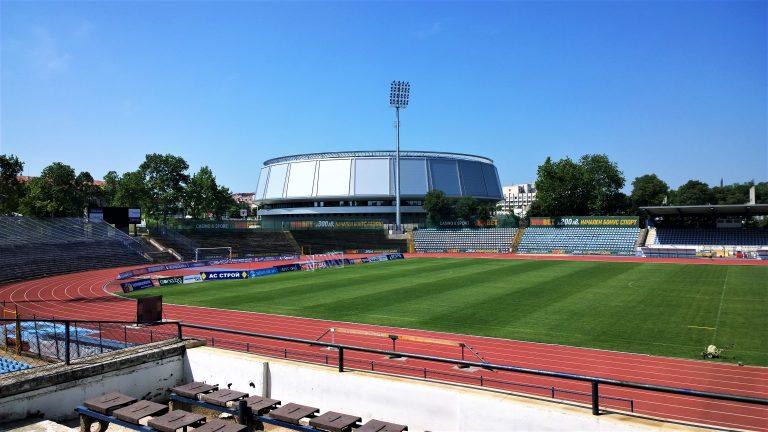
pixel 398 98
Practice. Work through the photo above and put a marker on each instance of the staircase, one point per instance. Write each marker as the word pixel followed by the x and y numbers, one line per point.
pixel 650 238
pixel 516 240
pixel 641 238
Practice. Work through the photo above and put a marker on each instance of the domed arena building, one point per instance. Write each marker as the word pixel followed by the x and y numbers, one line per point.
pixel 356 189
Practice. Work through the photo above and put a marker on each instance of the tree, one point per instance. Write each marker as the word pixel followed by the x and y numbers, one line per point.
pixel 561 188
pixel 165 177
pixel 694 192
pixel 603 183
pixel 201 195
pixel 225 203
pixel 54 193
pixel 737 193
pixel 11 189
pixel 111 180
pixel 465 209
pixel 87 192
pixel 131 191
pixel 437 206
pixel 648 190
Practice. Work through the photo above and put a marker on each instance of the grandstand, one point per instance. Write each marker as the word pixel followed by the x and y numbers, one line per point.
pixel 579 240
pixel 464 239
pixel 8 365
pixel 356 240
pixel 244 242
pixel 712 236
pixel 31 247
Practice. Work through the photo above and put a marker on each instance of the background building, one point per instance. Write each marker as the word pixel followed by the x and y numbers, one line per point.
pixel 518 198
pixel 358 188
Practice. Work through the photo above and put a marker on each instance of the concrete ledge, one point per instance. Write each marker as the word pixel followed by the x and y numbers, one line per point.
pixel 59 373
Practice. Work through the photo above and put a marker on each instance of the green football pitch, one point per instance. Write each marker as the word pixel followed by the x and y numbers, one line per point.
pixel 663 309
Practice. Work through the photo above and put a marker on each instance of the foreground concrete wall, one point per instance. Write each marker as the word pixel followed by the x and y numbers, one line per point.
pixel 54 391
pixel 420 405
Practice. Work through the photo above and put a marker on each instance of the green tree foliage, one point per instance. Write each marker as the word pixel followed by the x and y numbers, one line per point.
pixel 591 186
pixel 165 178
pixel 603 183
pixel 648 190
pixel 109 190
pixel 88 194
pixel 465 209
pixel 561 188
pixel 53 194
pixel 694 192
pixel 131 191
pixel 737 193
pixel 438 207
pixel 204 196
pixel 11 189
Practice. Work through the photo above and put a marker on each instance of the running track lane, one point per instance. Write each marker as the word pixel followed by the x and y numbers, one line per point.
pixel 85 296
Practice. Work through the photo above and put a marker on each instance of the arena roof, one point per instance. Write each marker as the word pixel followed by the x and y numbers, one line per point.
pixel 708 210
pixel 377 153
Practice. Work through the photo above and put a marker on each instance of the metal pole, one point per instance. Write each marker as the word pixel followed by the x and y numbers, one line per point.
pixel 66 342
pixel 595 399
pixel 397 171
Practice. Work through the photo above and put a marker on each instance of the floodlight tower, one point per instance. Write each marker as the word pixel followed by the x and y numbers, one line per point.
pixel 398 98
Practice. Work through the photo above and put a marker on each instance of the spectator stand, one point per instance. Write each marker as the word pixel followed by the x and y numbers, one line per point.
pixel 710 231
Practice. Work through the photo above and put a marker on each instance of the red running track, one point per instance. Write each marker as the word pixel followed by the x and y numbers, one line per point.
pixel 87 296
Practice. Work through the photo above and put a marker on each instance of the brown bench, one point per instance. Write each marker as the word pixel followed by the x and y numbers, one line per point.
pixel 193 389
pixel 176 420
pixel 334 422
pixel 293 413
pixel 135 412
pixel 261 405
pixel 381 426
pixel 221 426
pixel 222 397
pixel 105 404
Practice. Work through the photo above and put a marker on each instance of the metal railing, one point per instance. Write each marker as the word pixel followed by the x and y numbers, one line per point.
pixel 57 340
pixel 595 382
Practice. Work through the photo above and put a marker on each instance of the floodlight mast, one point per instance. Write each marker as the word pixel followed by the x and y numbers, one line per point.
pixel 398 98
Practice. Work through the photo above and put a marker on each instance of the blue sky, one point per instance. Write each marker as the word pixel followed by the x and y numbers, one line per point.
pixel 675 88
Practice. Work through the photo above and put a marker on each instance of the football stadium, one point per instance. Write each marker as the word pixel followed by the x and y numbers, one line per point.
pixel 567 240
pixel 638 321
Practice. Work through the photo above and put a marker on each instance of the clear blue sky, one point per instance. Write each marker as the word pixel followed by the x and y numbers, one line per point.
pixel 675 88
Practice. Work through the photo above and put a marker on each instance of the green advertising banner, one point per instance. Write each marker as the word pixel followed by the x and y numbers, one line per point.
pixel 585 221
pixel 171 280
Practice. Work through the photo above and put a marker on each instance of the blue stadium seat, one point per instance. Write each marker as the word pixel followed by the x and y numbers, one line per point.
pixel 464 239
pixel 579 240
pixel 712 236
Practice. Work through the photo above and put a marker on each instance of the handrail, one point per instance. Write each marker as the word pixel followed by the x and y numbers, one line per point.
pixel 595 381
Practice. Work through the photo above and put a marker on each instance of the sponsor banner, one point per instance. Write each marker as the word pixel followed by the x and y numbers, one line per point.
pixel 395 256
pixel 288 267
pixel 136 285
pixel 188 279
pixel 224 275
pixel 181 265
pixel 333 224
pixel 170 280
pixel 584 221
pixel 377 258
pixel 262 272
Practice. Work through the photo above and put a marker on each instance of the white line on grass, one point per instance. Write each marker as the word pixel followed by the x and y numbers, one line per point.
pixel 720 307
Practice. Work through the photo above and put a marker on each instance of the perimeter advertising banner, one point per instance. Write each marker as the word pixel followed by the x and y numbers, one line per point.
pixel 288 267
pixel 188 279
pixel 262 272
pixel 224 275
pixel 136 285
pixel 586 221
pixel 171 280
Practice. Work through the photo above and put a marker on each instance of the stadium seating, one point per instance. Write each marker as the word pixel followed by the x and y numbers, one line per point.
pixel 31 247
pixel 712 236
pixel 662 252
pixel 244 243
pixel 579 240
pixel 464 239
pixel 10 365
pixel 329 240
